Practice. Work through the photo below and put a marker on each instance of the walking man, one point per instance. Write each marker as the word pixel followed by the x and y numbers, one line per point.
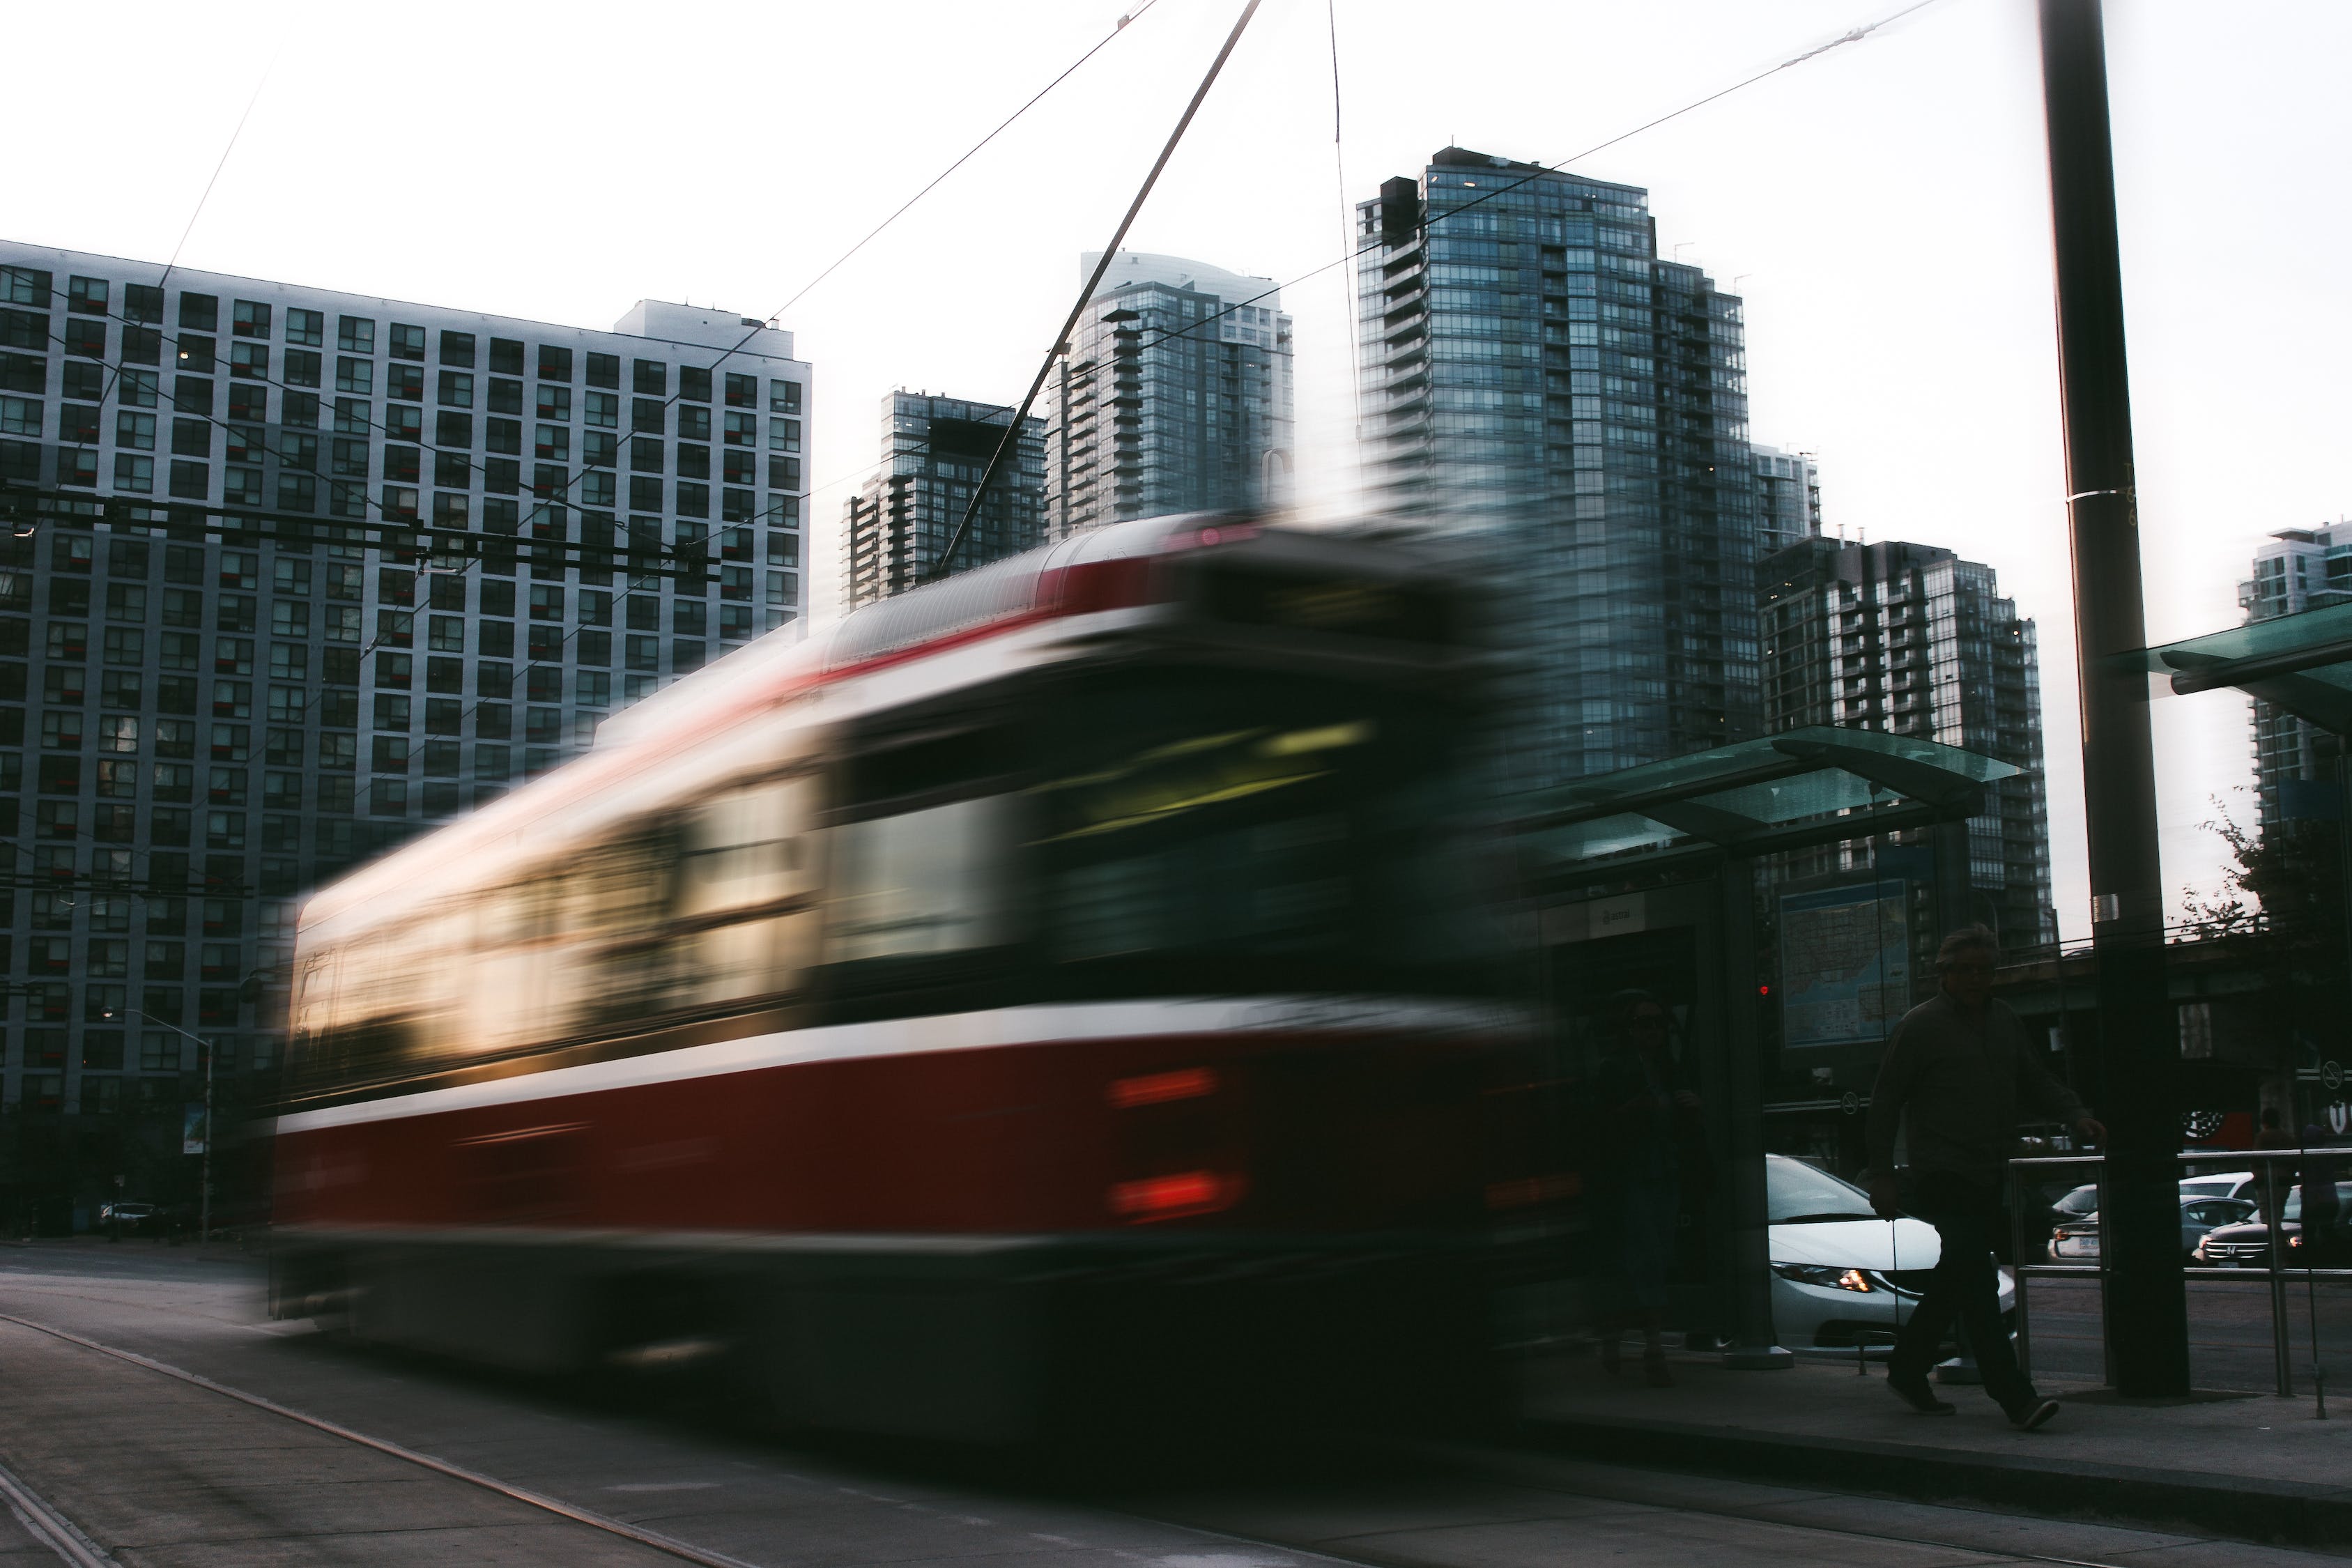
pixel 1956 1073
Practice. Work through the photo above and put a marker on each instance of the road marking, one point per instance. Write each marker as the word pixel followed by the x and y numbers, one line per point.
pixel 654 1538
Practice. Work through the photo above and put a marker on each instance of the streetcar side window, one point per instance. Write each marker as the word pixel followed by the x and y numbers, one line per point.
pixel 921 882
pixel 747 895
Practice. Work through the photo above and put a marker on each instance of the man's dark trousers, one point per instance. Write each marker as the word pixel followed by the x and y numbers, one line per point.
pixel 1968 1223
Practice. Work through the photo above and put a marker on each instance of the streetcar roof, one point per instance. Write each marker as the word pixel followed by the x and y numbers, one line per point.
pixel 1074 576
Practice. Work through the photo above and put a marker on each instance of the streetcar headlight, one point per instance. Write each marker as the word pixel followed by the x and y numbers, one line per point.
pixel 1827 1274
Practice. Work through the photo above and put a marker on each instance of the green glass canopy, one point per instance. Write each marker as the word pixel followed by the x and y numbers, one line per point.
pixel 2301 663
pixel 1812 785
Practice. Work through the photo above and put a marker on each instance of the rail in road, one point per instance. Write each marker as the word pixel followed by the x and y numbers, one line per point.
pixel 276 1448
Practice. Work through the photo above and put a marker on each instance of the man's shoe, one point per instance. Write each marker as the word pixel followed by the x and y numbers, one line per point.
pixel 1914 1393
pixel 2034 1414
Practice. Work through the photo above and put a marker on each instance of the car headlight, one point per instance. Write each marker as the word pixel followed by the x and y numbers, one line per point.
pixel 1828 1274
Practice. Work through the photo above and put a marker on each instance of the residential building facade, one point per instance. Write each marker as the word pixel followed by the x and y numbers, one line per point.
pixel 934 451
pixel 1788 498
pixel 293 574
pixel 1912 640
pixel 2299 569
pixel 1175 395
pixel 1540 388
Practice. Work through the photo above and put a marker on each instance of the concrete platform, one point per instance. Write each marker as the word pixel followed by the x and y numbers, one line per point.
pixel 2253 1467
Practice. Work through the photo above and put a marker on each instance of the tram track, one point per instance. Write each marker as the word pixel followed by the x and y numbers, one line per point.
pixel 1517 1470
pixel 659 1541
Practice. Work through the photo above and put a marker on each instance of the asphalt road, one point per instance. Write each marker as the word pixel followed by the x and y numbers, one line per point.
pixel 156 1471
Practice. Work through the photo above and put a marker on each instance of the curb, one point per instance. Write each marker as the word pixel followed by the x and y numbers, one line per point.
pixel 2286 1513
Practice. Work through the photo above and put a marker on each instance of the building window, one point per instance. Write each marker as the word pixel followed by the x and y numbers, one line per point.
pixel 191 481
pixel 407 341
pixel 554 363
pixel 87 296
pixel 355 334
pixel 784 398
pixel 306 327
pixel 25 286
pixel 134 474
pixel 86 340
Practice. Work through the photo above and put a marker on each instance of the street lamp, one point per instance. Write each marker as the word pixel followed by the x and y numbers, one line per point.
pixel 205 1179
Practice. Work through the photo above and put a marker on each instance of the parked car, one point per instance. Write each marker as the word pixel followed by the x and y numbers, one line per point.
pixel 2078 1241
pixel 130 1219
pixel 1841 1275
pixel 2247 1245
pixel 2227 1185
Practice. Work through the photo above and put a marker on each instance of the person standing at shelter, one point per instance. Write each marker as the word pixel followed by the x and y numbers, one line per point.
pixel 1955 1074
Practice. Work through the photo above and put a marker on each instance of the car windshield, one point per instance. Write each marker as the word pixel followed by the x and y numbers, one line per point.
pixel 1797 1194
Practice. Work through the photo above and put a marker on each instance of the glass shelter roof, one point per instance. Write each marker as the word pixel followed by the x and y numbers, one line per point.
pixel 1810 786
pixel 2301 663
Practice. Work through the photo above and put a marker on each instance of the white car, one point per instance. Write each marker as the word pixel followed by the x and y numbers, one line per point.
pixel 1840 1273
pixel 2228 1185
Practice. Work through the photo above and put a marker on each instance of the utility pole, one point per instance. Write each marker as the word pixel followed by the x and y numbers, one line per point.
pixel 205 1171
pixel 2139 1056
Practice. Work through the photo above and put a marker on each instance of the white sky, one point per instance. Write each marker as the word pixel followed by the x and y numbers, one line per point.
pixel 1883 209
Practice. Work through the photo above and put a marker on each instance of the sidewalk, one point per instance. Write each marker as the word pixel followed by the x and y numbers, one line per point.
pixel 2256 1467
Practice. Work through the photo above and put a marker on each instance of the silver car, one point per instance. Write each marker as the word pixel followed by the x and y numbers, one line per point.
pixel 2078 1241
pixel 1842 1276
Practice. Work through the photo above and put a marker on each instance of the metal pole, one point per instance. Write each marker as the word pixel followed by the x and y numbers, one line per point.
pixel 2282 1353
pixel 1755 1345
pixel 2017 1274
pixel 204 1180
pixel 2146 1308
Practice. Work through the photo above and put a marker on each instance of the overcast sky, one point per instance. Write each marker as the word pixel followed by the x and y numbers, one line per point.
pixel 1884 208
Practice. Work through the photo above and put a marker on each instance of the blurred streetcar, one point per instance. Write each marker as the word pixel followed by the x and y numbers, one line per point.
pixel 1059 990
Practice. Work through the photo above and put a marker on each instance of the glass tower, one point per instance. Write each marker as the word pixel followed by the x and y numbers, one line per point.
pixel 1175 395
pixel 1911 639
pixel 2300 569
pixel 291 575
pixel 1788 498
pixel 934 450
pixel 1572 411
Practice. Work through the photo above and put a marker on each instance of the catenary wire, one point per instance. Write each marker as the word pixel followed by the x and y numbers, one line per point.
pixel 563 495
pixel 1011 435
pixel 1853 35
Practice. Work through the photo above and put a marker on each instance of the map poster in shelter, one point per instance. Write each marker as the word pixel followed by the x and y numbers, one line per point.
pixel 1845 965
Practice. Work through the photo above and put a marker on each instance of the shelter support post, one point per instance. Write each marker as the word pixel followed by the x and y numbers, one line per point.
pixel 1755 1346
pixel 2146 1304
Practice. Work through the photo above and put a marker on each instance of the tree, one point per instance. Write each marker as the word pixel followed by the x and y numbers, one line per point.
pixel 2281 910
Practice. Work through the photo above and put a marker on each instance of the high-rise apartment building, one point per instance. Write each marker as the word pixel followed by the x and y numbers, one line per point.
pixel 1788 498
pixel 1538 385
pixel 2300 569
pixel 934 451
pixel 1912 640
pixel 1175 395
pixel 293 574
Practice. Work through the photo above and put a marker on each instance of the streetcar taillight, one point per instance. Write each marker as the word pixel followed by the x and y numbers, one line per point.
pixel 1157 1087
pixel 1174 1197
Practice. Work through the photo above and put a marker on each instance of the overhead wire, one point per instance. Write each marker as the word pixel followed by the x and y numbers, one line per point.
pixel 1011 435
pixel 561 496
pixel 1852 35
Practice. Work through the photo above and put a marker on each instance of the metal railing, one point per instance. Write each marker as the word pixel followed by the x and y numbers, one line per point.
pixel 2278 1172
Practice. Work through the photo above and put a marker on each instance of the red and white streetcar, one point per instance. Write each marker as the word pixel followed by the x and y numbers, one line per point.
pixel 1061 987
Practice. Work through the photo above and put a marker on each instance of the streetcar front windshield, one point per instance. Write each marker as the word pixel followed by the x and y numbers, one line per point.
pixel 1244 831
